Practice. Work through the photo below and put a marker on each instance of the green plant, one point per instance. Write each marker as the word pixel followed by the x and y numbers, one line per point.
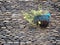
pixel 29 16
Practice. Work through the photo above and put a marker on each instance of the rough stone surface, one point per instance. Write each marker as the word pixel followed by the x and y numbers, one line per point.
pixel 14 30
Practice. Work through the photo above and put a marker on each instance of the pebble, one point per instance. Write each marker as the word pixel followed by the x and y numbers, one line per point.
pixel 2 40
pixel 3 9
pixel 15 16
pixel 3 27
pixel 28 43
pixel 6 21
pixel 54 0
pixel 55 34
pixel 16 37
pixel 22 43
pixel 6 43
pixel 58 42
pixel 14 19
pixel 8 18
pixel 22 26
pixel 9 27
pixel 55 31
pixel 7 13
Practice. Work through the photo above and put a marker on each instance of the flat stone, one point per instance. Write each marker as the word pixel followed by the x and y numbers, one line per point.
pixel 5 21
pixel 9 27
pixel 7 13
pixel 7 35
pixel 19 19
pixel 16 44
pixel 1 19
pixel 55 31
pixel 54 0
pixel 22 43
pixel 2 40
pixel 57 16
pixel 3 27
pixel 52 38
pixel 22 26
pixel 8 18
pixel 16 15
pixel 3 9
pixel 28 43
pixel 58 42
pixel 21 37
pixel 8 32
pixel 55 34
pixel 54 42
pixel 16 37
pixel 14 19
pixel 6 44
pixel 57 37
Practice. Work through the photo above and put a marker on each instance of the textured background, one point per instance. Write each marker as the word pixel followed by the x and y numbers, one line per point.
pixel 14 30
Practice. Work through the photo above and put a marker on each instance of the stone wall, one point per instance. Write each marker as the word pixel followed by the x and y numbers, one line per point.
pixel 13 28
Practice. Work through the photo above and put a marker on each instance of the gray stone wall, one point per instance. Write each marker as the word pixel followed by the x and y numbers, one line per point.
pixel 13 28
